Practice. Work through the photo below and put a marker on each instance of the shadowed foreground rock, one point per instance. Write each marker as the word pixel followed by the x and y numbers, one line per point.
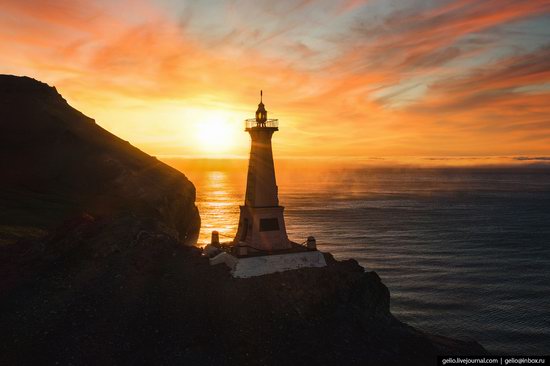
pixel 122 290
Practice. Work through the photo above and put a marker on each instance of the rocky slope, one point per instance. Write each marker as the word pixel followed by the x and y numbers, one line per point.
pixel 122 290
pixel 56 162
pixel 116 285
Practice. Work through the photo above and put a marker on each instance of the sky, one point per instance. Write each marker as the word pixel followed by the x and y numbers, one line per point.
pixel 348 79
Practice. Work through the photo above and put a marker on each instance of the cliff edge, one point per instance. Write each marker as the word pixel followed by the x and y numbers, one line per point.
pixel 56 163
pixel 123 291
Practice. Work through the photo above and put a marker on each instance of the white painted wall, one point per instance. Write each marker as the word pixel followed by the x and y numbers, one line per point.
pixel 261 265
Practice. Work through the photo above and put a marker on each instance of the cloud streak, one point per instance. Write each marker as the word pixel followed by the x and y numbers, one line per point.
pixel 370 78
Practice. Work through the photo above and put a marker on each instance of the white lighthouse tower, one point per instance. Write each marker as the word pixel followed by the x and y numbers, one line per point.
pixel 261 245
pixel 261 222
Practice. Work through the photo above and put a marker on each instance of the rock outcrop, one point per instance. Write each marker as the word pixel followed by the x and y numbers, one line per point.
pixel 122 290
pixel 56 163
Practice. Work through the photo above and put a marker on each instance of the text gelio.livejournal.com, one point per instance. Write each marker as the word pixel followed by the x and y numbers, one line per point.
pixel 493 360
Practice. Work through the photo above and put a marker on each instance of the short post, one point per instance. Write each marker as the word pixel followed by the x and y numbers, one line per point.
pixel 311 243
pixel 215 238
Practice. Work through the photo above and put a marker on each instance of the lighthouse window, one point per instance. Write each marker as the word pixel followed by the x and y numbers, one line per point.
pixel 269 224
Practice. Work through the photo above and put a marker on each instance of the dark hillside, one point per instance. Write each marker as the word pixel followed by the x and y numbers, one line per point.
pixel 56 162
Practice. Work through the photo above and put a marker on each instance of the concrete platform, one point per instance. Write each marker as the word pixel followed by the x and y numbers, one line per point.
pixel 244 267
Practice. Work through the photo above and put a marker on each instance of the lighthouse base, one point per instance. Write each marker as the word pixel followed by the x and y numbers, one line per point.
pixel 244 267
pixel 262 229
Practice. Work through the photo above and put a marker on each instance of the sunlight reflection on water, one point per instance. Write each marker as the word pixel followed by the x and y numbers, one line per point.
pixel 218 200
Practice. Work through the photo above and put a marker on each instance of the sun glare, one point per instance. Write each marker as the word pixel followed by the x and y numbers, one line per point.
pixel 215 132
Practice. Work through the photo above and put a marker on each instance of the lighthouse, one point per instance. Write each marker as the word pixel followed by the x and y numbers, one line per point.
pixel 261 222
pixel 261 245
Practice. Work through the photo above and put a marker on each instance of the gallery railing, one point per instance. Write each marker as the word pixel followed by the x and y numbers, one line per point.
pixel 251 123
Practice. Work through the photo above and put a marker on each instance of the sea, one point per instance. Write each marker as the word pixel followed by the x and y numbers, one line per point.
pixel 464 251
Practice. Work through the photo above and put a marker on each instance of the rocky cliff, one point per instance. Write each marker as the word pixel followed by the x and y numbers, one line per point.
pixel 115 285
pixel 56 162
pixel 122 290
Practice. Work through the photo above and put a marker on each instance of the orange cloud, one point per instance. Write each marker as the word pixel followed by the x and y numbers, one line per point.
pixel 411 82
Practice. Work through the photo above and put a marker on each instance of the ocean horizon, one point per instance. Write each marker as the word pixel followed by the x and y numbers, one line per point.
pixel 463 250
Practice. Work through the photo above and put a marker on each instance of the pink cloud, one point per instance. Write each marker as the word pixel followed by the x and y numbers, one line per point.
pixel 99 53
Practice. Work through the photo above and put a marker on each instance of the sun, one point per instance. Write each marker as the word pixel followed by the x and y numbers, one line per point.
pixel 215 132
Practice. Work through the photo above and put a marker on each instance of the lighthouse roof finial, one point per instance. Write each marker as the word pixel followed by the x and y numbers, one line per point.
pixel 261 113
